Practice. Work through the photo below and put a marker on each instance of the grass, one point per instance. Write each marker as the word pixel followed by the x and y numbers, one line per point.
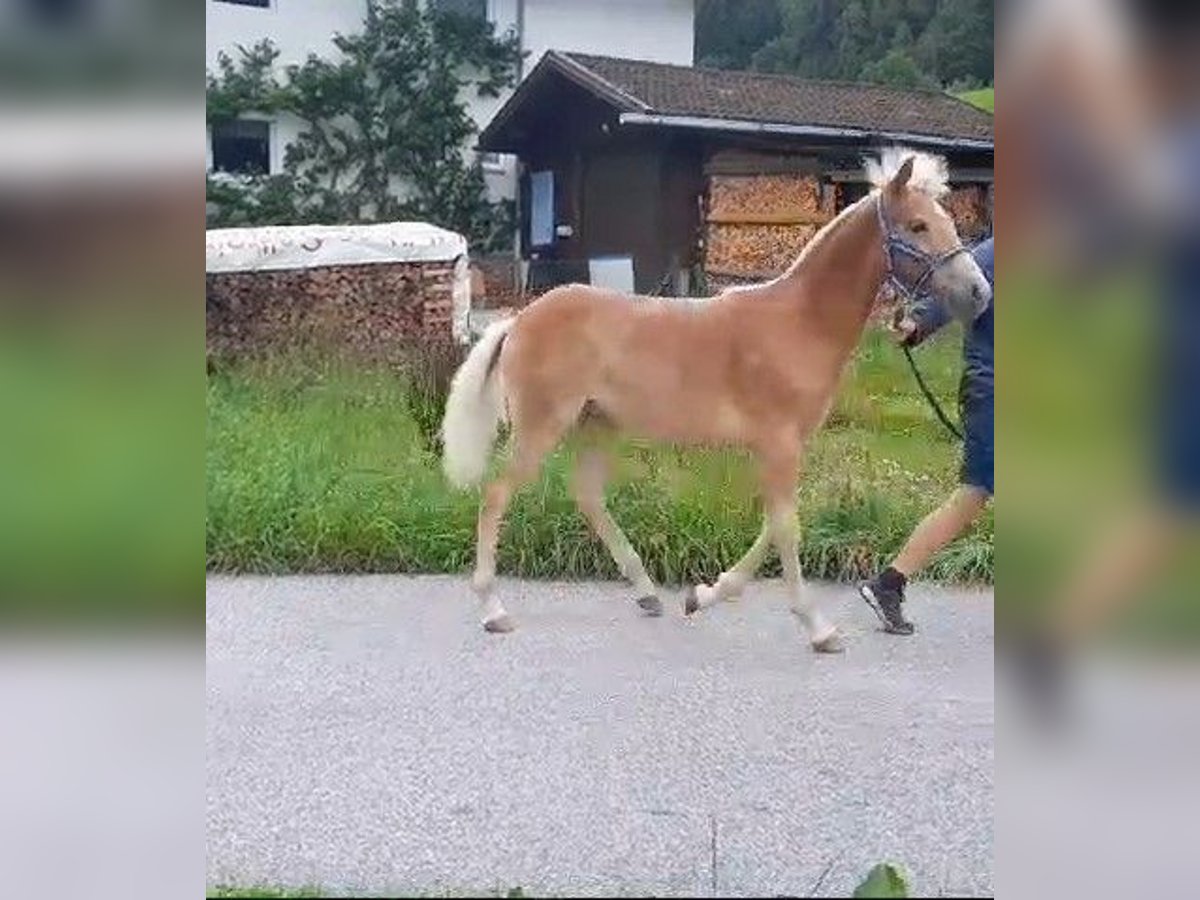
pixel 321 467
pixel 984 98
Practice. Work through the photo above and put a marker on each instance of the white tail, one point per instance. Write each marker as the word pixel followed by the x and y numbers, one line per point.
pixel 473 411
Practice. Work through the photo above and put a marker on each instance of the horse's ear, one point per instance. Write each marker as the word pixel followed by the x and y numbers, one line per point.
pixel 903 174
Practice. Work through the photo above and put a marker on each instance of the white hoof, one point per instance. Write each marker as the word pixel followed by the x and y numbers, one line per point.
pixel 501 624
pixel 830 642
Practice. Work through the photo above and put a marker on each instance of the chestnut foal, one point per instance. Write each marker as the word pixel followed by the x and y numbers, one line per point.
pixel 755 367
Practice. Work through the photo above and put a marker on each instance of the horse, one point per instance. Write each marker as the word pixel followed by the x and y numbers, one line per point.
pixel 755 367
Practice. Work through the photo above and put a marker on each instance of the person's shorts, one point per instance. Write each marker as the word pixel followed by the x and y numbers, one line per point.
pixel 1178 449
pixel 977 412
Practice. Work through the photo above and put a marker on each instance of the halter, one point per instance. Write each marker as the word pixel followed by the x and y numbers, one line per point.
pixel 894 244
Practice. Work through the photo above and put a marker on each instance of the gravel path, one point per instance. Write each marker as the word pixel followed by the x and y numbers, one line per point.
pixel 365 735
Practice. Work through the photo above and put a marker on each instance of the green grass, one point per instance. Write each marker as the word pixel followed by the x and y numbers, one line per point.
pixel 322 468
pixel 984 98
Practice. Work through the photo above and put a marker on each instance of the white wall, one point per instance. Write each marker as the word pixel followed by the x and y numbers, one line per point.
pixel 656 30
pixel 297 27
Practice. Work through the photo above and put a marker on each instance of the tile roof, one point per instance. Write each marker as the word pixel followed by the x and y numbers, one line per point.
pixel 668 90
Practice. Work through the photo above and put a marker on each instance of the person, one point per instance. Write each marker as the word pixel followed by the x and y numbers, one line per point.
pixel 885 592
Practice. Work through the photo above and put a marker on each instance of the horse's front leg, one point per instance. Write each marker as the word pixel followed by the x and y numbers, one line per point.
pixel 779 495
pixel 733 581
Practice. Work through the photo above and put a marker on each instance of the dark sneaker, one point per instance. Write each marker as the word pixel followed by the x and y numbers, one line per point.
pixel 886 600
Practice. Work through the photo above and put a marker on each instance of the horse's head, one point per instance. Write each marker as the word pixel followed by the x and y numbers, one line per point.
pixel 924 256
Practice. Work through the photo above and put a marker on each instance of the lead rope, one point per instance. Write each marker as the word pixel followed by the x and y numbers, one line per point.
pixel 937 407
pixel 889 241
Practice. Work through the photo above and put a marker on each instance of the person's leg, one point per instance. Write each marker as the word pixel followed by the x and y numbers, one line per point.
pixel 939 528
pixel 885 592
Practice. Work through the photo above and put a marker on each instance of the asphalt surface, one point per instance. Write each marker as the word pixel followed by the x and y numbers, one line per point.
pixel 365 735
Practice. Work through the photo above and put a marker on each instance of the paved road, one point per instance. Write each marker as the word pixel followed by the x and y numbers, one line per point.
pixel 363 734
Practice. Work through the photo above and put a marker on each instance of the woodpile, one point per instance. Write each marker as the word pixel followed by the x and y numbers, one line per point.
pixel 968 206
pixel 495 281
pixel 756 225
pixel 370 311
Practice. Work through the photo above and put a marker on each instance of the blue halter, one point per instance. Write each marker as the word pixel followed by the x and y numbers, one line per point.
pixel 894 244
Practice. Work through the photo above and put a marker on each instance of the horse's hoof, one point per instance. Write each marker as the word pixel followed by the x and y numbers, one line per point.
pixel 830 643
pixel 502 624
pixel 651 604
pixel 691 602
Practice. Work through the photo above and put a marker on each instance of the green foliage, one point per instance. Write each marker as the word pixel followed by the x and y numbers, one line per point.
pixel 897 69
pixel 322 467
pixel 429 373
pixel 244 85
pixel 728 34
pixel 908 43
pixel 882 881
pixel 384 125
pixel 984 98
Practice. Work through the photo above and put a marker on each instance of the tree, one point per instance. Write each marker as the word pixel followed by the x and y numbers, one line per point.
pixel 897 69
pixel 912 43
pixel 957 47
pixel 728 34
pixel 385 124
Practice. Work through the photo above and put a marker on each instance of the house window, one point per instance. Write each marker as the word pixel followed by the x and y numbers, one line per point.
pixel 541 208
pixel 261 4
pixel 242 146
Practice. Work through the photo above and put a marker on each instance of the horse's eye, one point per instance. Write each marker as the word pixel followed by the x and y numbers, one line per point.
pixel 917 227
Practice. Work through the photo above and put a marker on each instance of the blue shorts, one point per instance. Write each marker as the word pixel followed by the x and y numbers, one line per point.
pixel 977 412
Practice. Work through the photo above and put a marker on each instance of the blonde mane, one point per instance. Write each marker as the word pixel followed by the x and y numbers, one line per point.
pixel 930 175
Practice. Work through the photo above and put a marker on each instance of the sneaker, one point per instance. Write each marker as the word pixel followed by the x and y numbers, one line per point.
pixel 886 599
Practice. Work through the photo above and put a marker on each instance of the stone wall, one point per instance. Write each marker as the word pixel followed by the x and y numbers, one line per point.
pixel 369 310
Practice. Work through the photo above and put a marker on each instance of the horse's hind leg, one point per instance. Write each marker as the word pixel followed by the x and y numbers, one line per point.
pixel 531 440
pixel 590 476
pixel 733 581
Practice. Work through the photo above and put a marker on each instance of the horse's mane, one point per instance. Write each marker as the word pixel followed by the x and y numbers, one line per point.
pixel 930 174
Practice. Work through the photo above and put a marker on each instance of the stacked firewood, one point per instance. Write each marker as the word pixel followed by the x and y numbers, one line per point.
pixel 758 224
pixel 968 206
pixel 366 310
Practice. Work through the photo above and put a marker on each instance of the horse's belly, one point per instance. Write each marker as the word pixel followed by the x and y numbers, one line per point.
pixel 683 419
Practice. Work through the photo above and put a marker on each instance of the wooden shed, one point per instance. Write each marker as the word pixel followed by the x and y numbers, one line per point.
pixel 672 179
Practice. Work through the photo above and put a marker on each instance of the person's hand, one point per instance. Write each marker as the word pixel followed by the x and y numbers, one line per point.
pixel 903 329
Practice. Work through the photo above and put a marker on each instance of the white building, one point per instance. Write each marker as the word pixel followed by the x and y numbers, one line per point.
pixel 653 30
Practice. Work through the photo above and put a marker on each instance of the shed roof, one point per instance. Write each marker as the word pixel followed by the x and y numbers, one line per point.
pixel 650 93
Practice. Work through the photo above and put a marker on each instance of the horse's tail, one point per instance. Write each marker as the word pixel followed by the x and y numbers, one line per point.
pixel 474 409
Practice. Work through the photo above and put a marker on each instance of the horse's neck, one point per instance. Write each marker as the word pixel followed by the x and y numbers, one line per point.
pixel 835 281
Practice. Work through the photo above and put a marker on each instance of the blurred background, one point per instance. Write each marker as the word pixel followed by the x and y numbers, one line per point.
pixel 1099 608
pixel 101 497
pixel 101 216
